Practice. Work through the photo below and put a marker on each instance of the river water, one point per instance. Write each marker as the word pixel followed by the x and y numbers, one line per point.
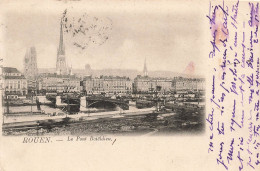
pixel 45 108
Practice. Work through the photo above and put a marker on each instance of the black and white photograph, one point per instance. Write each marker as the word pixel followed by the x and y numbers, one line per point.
pixel 83 72
pixel 127 85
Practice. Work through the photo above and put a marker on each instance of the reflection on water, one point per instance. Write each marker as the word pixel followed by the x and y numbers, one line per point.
pixel 45 108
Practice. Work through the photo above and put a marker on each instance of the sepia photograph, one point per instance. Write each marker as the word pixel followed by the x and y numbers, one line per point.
pixel 85 72
pixel 129 85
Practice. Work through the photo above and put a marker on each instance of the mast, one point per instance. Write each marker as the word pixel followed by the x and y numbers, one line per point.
pixel 145 72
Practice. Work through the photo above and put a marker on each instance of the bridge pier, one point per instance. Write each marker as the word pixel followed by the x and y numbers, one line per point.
pixel 83 104
pixel 58 102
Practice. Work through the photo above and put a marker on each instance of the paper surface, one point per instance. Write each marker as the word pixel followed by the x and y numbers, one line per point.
pixel 217 41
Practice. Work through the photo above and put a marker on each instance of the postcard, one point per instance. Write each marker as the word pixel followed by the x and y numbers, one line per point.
pixel 129 85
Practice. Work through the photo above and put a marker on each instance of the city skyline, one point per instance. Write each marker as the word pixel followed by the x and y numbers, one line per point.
pixel 126 69
pixel 126 47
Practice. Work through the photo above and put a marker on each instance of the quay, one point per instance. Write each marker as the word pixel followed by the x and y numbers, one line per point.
pixel 27 121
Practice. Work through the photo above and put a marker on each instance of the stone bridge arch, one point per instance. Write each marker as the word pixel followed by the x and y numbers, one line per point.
pixel 98 103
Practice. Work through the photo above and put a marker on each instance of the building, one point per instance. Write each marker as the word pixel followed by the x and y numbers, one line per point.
pixel 30 64
pixel 54 83
pixel 31 69
pixel 188 84
pixel 145 84
pixel 107 85
pixel 15 83
pixel 61 66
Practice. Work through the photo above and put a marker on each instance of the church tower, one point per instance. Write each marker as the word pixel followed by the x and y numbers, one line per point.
pixel 30 64
pixel 30 69
pixel 145 69
pixel 61 66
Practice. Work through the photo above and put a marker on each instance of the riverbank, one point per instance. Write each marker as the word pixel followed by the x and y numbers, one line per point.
pixel 113 123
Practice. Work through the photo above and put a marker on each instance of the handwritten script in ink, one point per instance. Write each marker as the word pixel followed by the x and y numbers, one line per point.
pixel 85 30
pixel 233 117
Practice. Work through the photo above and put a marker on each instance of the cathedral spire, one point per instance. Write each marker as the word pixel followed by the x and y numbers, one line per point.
pixel 61 49
pixel 145 68
pixel 61 66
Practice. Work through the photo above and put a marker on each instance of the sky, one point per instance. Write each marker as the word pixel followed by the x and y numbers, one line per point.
pixel 169 40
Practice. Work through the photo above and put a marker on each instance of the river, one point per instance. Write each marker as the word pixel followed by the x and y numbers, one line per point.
pixel 45 108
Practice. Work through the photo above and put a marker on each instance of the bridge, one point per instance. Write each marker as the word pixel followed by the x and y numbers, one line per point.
pixel 87 101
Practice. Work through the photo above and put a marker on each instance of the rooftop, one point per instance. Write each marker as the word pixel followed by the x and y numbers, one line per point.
pixel 188 79
pixel 45 75
pixel 14 77
pixel 152 78
pixel 10 70
pixel 107 77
